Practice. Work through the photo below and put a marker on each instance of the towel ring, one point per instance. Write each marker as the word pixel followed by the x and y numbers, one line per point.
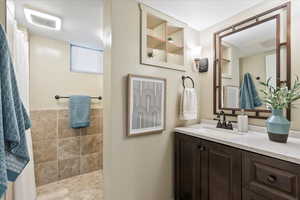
pixel 187 77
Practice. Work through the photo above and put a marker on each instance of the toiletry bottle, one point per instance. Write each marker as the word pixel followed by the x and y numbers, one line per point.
pixel 243 122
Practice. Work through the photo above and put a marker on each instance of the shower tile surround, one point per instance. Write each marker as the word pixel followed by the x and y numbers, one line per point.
pixel 61 152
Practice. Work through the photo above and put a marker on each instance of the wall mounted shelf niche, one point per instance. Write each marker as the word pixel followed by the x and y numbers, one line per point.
pixel 162 40
pixel 226 64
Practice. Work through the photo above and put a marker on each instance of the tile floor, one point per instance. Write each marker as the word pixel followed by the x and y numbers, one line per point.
pixel 83 187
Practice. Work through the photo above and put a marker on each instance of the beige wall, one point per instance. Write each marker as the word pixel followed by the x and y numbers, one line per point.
pixel 107 106
pixel 256 66
pixel 2 12
pixel 206 37
pixel 142 167
pixel 50 75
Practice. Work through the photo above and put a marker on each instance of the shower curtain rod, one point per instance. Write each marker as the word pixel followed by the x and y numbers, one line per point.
pixel 62 97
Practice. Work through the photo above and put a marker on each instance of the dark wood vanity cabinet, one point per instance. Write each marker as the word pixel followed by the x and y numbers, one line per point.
pixel 207 170
pixel 223 168
pixel 188 162
pixel 271 178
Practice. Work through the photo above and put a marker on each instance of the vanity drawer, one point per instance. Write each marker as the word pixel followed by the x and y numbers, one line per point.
pixel 271 178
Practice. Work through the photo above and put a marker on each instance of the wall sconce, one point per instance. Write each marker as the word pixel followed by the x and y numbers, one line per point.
pixel 200 64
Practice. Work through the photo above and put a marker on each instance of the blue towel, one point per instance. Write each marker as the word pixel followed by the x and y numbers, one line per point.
pixel 79 108
pixel 13 121
pixel 249 98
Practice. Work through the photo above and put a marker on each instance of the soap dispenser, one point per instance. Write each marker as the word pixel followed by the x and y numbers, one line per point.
pixel 242 122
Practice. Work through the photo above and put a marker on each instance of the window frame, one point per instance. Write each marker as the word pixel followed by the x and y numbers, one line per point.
pixel 81 71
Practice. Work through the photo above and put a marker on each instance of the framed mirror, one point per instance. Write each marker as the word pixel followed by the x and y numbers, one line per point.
pixel 247 53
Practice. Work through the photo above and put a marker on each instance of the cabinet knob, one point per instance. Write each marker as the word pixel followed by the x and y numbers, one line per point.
pixel 271 179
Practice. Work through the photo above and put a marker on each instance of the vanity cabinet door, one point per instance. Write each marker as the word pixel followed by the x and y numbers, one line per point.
pixel 247 195
pixel 187 168
pixel 223 166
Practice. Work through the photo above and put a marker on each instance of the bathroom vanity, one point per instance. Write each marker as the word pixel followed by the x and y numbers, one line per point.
pixel 216 164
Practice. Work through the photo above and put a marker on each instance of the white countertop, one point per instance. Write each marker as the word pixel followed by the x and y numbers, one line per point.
pixel 255 140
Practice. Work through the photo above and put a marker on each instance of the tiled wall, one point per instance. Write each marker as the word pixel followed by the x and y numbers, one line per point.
pixel 61 152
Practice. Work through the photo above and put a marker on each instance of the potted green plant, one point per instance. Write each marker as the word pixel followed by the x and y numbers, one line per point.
pixel 277 99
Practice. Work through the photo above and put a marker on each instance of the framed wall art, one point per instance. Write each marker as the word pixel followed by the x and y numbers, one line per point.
pixel 146 105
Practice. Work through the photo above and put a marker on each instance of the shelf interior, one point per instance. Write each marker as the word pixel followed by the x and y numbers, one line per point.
pixel 159 48
pixel 225 60
pixel 173 48
pixel 153 21
pixel 155 43
pixel 173 29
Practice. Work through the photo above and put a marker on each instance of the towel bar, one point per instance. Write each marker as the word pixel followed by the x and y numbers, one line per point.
pixel 62 97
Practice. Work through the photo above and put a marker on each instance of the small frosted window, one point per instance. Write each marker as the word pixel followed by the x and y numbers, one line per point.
pixel 86 60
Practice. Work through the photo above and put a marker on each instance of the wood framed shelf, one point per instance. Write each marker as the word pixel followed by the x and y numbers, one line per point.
pixel 225 60
pixel 153 21
pixel 157 30
pixel 226 57
pixel 173 29
pixel 173 48
pixel 155 42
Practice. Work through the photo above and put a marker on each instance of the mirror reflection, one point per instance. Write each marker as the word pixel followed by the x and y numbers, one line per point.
pixel 247 58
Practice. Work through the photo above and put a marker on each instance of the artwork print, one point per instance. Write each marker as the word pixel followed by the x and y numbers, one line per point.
pixel 146 105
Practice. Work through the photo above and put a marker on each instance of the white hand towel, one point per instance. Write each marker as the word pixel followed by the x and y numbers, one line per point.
pixel 188 107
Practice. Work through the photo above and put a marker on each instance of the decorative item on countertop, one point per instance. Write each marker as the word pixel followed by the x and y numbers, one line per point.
pixel 242 122
pixel 278 99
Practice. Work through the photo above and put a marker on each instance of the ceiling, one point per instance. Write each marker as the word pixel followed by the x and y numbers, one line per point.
pixel 81 20
pixel 201 14
pixel 252 41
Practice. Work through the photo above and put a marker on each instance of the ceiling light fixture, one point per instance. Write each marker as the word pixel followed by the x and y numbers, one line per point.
pixel 42 20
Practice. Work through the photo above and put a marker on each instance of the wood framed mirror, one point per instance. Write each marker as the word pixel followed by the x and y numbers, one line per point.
pixel 250 52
